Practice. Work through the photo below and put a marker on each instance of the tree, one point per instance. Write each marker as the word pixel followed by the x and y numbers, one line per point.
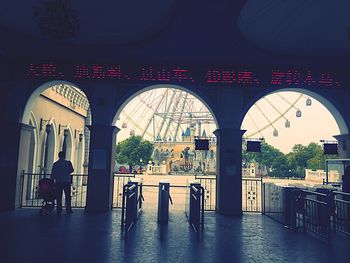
pixel 280 167
pixel 133 149
pixel 266 157
pixel 292 164
pixel 310 157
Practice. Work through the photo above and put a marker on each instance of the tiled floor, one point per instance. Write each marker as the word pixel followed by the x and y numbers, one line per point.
pixel 28 237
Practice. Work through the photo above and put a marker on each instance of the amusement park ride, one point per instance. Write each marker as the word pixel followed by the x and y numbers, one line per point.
pixel 172 119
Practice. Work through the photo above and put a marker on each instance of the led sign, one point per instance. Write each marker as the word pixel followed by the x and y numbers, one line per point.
pixel 181 75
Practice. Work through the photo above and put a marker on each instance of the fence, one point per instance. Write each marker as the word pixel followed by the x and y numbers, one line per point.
pixel 251 193
pixel 209 185
pixel 322 212
pixel 341 212
pixel 278 203
pixel 30 189
pixel 118 183
pixel 313 213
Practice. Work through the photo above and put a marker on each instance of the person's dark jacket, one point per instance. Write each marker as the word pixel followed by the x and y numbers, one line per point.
pixel 61 171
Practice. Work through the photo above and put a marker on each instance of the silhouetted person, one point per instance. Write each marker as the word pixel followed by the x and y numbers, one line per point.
pixel 346 189
pixel 61 172
pixel 346 180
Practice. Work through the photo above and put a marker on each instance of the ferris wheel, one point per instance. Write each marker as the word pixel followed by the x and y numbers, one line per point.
pixel 164 114
pixel 269 112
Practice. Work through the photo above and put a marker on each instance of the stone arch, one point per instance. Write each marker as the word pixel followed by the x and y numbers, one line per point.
pixel 325 101
pixel 69 145
pixel 52 149
pixel 198 96
pixel 36 93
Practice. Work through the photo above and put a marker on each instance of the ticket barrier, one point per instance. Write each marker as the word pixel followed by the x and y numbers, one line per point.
pixel 195 204
pixel 131 203
pixel 163 201
pixel 139 195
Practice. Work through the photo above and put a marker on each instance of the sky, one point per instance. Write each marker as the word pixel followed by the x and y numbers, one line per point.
pixel 316 122
pixel 268 114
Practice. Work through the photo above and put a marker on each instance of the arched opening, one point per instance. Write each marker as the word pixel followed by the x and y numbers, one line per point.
pixel 55 119
pixel 291 126
pixel 32 163
pixel 67 145
pixel 168 118
pixel 50 148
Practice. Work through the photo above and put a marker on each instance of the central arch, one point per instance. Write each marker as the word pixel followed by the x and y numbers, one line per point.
pixel 168 151
pixel 193 93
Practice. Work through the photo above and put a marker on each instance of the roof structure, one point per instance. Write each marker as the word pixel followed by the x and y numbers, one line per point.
pixel 200 32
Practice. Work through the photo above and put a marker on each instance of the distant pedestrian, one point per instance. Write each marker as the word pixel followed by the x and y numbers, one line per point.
pixel 61 173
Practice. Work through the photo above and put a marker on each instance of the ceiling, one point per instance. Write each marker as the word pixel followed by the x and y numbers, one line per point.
pixel 185 31
pixel 307 27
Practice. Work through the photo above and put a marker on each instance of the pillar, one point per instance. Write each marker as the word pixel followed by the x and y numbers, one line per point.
pixel 229 171
pixel 9 164
pixel 101 168
pixel 343 145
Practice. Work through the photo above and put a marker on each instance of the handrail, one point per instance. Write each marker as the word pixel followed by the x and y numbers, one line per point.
pixel 314 193
pixel 132 187
pixel 49 174
pixel 194 188
pixel 341 193
pixel 124 174
pixel 315 201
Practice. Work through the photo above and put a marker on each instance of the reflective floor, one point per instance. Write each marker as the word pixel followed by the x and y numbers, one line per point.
pixel 28 237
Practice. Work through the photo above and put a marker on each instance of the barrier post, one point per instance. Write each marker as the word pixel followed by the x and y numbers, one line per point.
pixel 163 201
pixel 195 197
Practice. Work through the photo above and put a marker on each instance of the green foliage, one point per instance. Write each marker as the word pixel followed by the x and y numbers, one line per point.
pixel 291 164
pixel 266 157
pixel 280 167
pixel 133 149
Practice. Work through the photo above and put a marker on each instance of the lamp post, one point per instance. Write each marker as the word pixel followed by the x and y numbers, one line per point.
pixel 141 165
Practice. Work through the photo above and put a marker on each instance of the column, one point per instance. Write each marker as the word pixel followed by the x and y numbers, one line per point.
pixel 9 165
pixel 229 171
pixel 343 145
pixel 101 167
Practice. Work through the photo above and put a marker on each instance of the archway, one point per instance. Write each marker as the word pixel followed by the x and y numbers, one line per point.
pixel 57 114
pixel 170 117
pixel 28 186
pixel 290 124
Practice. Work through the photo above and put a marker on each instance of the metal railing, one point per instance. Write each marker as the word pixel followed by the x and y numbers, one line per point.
pixel 336 184
pixel 341 212
pixel 118 183
pixel 30 190
pixel 322 212
pixel 314 213
pixel 208 182
pixel 279 203
pixel 251 193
